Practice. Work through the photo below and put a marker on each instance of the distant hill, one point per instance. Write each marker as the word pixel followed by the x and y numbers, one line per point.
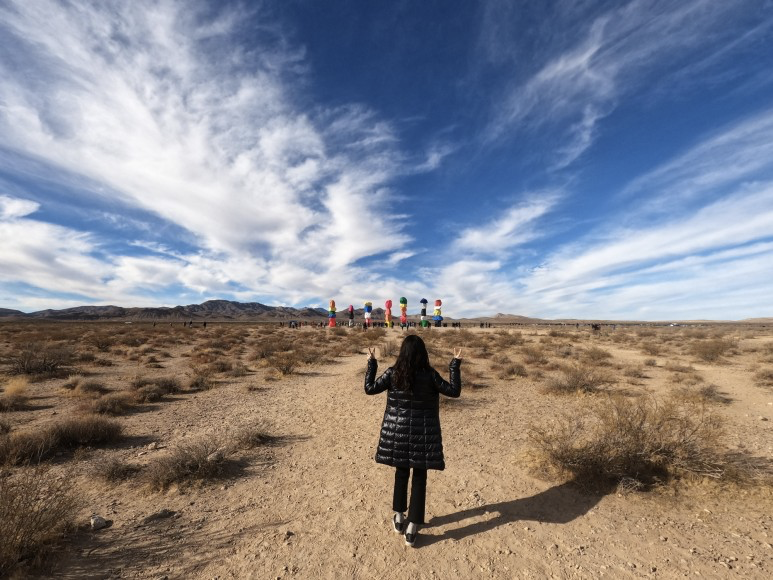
pixel 211 309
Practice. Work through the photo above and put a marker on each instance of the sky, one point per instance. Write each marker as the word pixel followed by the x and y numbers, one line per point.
pixel 556 159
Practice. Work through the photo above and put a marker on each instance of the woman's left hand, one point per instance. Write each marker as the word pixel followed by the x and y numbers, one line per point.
pixel 371 353
pixel 458 353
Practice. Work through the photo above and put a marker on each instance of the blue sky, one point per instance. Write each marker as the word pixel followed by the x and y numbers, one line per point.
pixel 554 159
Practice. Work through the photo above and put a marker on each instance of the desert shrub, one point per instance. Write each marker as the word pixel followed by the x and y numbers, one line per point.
pixel 21 447
pixel 168 384
pixel 651 348
pixel 14 396
pixel 113 404
pixel 636 439
pixel 534 355
pixel 675 367
pixel 102 342
pixel 284 362
pixel 201 380
pixel 87 357
pixel 337 331
pixel 711 350
pixel 220 366
pixel 251 437
pixel 388 348
pixel 576 378
pixel 40 359
pixel 505 339
pixel 35 511
pixel 512 370
pixel 90 389
pixel 113 470
pixel 596 354
pixel 764 377
pixel 5 427
pixel 195 461
pixel 650 362
pixel 238 370
pixel 635 373
pixel 707 394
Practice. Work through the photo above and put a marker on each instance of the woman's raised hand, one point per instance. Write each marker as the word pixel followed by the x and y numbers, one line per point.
pixel 458 353
pixel 371 352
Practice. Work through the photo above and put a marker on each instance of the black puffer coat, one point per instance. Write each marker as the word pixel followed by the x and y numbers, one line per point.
pixel 410 433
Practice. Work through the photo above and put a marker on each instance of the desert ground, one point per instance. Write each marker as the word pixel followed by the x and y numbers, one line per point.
pixel 246 451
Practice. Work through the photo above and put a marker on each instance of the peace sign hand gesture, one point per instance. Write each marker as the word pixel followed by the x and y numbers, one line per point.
pixel 458 353
pixel 371 352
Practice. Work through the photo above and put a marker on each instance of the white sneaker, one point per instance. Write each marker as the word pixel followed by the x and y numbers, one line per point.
pixel 398 522
pixel 410 534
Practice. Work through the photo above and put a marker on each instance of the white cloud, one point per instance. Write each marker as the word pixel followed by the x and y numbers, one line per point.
pixel 514 226
pixel 611 58
pixel 13 207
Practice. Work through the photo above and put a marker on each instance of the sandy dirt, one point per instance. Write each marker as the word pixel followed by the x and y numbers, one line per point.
pixel 314 504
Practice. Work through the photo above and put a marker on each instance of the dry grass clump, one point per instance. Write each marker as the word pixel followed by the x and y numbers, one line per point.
pixel 251 437
pixel 113 404
pixel 764 377
pixel 196 461
pixel 113 470
pixel 5 427
pixel 650 362
pixel 388 348
pixel 651 348
pixel 201 380
pixel 21 447
pixel 534 355
pixel 712 350
pixel 705 394
pixel 35 511
pixel 89 389
pixel 633 439
pixel 14 396
pixel 578 378
pixel 596 355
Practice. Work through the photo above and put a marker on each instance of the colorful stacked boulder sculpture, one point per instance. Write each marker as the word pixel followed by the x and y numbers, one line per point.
pixel 388 314
pixel 424 322
pixel 437 317
pixel 331 314
pixel 403 311
pixel 351 315
pixel 368 312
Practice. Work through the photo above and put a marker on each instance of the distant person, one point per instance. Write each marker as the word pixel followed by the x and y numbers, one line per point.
pixel 410 433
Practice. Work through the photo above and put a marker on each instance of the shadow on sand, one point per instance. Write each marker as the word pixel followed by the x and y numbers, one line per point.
pixel 558 505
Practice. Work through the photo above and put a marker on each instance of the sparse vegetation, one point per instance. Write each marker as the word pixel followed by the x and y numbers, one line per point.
pixel 40 359
pixel 574 378
pixel 19 447
pixel 711 350
pixel 764 377
pixel 14 395
pixel 637 439
pixel 36 509
pixel 114 470
pixel 196 461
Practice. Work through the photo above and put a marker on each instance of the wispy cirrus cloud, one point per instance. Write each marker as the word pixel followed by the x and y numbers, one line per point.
pixel 155 103
pixel 611 58
pixel 513 226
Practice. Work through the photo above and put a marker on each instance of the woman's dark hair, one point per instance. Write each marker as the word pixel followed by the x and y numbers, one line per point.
pixel 413 357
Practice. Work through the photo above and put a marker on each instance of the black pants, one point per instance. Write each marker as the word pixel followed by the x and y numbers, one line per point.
pixel 418 493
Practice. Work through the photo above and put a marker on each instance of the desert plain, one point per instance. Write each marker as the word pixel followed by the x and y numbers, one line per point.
pixel 245 450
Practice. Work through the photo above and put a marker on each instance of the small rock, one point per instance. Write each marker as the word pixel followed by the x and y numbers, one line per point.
pixel 663 539
pixel 153 445
pixel 98 522
pixel 288 534
pixel 653 569
pixel 763 418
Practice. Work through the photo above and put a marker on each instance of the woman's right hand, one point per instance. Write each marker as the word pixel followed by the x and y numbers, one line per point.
pixel 458 353
pixel 371 353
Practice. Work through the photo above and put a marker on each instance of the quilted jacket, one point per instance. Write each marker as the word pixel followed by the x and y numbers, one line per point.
pixel 410 433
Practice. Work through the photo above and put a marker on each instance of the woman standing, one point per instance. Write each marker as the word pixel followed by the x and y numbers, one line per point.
pixel 410 433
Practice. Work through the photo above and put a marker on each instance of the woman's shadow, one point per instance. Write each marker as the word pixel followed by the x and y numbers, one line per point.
pixel 558 505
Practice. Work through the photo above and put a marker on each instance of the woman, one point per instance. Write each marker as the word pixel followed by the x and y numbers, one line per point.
pixel 410 433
